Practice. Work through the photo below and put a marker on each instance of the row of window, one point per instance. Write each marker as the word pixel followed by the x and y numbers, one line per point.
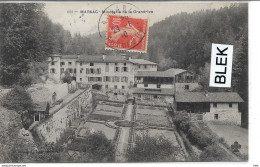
pixel 145 66
pixel 91 64
pixel 215 105
pixel 108 79
pixel 98 70
pixel 115 87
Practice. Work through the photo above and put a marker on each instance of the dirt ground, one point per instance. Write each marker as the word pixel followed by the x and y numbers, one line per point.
pixel 232 133
pixel 94 127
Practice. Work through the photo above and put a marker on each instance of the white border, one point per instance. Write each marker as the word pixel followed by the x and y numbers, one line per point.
pixel 254 110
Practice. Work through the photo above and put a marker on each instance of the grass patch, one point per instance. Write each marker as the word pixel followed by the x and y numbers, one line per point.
pixel 103 117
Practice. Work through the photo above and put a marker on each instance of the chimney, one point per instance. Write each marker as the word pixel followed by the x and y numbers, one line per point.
pixel 104 56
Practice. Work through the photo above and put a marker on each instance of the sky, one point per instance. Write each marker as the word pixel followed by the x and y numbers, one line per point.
pixel 72 17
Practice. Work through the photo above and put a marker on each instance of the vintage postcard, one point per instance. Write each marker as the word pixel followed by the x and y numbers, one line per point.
pixel 84 82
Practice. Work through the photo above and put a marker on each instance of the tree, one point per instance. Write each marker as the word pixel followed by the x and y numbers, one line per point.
pixel 20 101
pixel 151 149
pixel 20 41
pixel 96 147
pixel 67 78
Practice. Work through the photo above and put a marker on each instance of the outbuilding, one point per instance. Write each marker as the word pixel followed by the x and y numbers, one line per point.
pixel 220 107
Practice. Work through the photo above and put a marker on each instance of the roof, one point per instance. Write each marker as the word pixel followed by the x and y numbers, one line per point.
pixel 40 106
pixel 99 59
pixel 168 73
pixel 141 61
pixel 153 91
pixel 175 71
pixel 153 74
pixel 196 97
pixel 69 56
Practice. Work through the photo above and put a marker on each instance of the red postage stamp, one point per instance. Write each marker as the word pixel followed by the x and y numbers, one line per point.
pixel 126 33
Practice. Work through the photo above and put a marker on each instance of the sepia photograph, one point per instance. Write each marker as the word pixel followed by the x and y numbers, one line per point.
pixel 124 82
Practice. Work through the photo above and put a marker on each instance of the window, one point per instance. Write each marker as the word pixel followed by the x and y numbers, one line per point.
pixel 187 87
pixel 70 63
pixel 145 85
pixel 215 105
pixel 107 79
pixel 75 70
pixel 52 63
pixel 138 78
pixel 107 64
pixel 155 96
pixel 99 79
pixel 80 64
pixel 80 79
pixel 230 105
pixel 116 69
pixel 81 70
pixel 124 64
pixel 139 96
pixel 87 70
pixel 62 63
pixel 62 70
pixel 125 69
pixel 99 70
pixel 145 66
pixel 90 79
pixel 135 85
pixel 116 64
pixel 115 86
pixel 91 64
pixel 116 78
pixel 215 116
pixel 158 86
pixel 139 66
pixel 91 71
pixel 123 87
pixel 52 70
pixel 70 70
pixel 106 86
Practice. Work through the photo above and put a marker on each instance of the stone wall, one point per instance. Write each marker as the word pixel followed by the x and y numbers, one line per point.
pixel 52 128
pixel 226 115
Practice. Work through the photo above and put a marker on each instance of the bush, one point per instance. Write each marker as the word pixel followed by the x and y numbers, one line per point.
pixel 182 122
pixel 198 138
pixel 18 99
pixel 188 146
pixel 67 78
pixel 96 144
pixel 151 149
pixel 27 120
pixel 214 153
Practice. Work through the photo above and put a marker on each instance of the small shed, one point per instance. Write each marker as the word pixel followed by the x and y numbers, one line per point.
pixel 40 111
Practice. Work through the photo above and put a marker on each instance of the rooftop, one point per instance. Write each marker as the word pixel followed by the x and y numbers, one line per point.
pixel 100 59
pixel 40 106
pixel 153 74
pixel 69 56
pixel 196 97
pixel 175 71
pixel 153 91
pixel 142 61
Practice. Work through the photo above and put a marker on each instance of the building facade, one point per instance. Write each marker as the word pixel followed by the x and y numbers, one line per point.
pixel 221 107
pixel 113 73
pixel 161 85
